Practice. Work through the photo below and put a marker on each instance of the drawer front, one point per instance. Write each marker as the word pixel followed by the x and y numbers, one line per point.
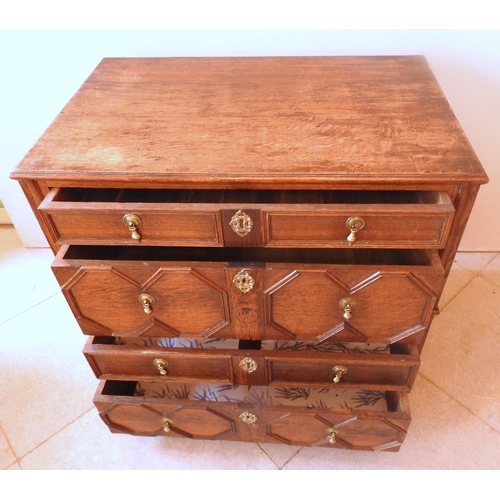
pixel 120 362
pixel 203 413
pixel 134 300
pixel 358 305
pixel 378 371
pixel 391 220
pixel 312 302
pixel 389 227
pixel 107 223
pixel 322 365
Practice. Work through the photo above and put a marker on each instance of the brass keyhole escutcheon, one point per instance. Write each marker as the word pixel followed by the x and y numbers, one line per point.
pixel 147 301
pixel 248 365
pixel 243 281
pixel 347 304
pixel 354 224
pixel 332 433
pixel 161 364
pixel 241 223
pixel 248 418
pixel 133 222
pixel 167 424
pixel 338 371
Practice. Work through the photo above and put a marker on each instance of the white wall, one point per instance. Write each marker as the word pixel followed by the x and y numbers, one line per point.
pixel 40 71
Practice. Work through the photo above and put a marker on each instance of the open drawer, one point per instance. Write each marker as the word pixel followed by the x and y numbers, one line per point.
pixel 274 363
pixel 254 294
pixel 356 420
pixel 322 219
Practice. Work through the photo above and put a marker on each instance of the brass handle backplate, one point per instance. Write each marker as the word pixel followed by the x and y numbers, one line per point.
pixel 243 281
pixel 248 365
pixel 241 223
pixel 332 433
pixel 133 222
pixel 147 301
pixel 339 370
pixel 161 364
pixel 347 304
pixel 167 424
pixel 248 418
pixel 354 224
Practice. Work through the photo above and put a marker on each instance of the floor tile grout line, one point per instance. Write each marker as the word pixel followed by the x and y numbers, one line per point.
pixel 484 276
pixel 455 261
pixel 29 308
pixel 292 457
pixel 458 402
pixel 10 446
pixel 54 434
pixel 270 458
pixel 475 272
pixel 267 454
pixel 480 275
pixel 441 309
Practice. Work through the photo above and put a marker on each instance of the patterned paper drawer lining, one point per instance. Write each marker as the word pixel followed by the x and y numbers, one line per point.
pixel 264 396
pixel 266 345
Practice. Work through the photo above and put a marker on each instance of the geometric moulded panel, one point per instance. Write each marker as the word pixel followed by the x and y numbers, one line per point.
pixel 302 305
pixel 106 301
pixel 391 306
pixel 388 306
pixel 350 432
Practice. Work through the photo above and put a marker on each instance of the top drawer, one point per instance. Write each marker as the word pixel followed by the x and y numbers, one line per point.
pixel 321 219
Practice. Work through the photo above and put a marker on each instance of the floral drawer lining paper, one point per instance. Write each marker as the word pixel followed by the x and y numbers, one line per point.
pixel 266 345
pixel 264 396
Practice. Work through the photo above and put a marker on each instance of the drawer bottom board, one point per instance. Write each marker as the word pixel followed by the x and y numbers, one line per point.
pixel 356 420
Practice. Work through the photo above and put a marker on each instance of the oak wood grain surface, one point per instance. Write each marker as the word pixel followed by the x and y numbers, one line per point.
pixel 246 121
pixel 385 371
pixel 293 425
pixel 288 301
pixel 96 217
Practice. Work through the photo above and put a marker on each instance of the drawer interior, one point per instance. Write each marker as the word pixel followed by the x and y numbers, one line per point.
pixel 260 396
pixel 256 345
pixel 257 255
pixel 248 196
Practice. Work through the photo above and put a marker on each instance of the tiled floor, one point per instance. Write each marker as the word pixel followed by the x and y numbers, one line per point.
pixel 47 420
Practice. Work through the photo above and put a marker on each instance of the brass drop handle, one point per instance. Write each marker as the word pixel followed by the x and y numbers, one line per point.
pixel 241 223
pixel 354 224
pixel 248 365
pixel 332 433
pixel 248 418
pixel 167 424
pixel 133 222
pixel 347 304
pixel 161 364
pixel 147 301
pixel 243 281
pixel 338 371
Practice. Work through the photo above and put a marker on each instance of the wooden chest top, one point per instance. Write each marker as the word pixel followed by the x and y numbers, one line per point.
pixel 256 122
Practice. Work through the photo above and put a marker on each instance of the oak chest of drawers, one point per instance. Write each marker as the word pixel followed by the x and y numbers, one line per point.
pixel 255 247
